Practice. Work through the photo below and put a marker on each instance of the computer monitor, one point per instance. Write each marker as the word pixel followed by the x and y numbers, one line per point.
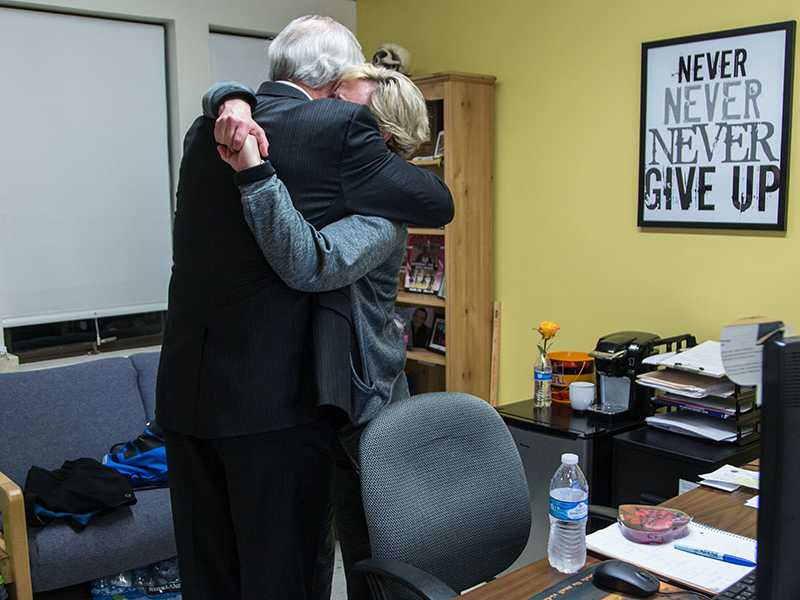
pixel 778 570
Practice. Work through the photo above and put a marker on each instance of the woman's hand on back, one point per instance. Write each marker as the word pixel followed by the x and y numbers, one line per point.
pixel 249 156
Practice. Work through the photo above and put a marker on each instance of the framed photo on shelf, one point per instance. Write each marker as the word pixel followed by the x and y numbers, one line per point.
pixel 435 123
pixel 417 324
pixel 715 129
pixel 438 150
pixel 437 343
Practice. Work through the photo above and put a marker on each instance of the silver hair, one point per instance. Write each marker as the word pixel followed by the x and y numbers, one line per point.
pixel 313 50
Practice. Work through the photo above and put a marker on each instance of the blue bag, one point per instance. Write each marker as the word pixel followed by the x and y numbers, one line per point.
pixel 143 460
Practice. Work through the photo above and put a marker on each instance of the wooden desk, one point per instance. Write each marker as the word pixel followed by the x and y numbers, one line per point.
pixel 708 506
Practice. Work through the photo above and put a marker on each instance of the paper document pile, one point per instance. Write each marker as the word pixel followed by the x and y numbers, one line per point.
pixel 734 475
pixel 715 407
pixel 705 358
pixel 694 382
pixel 695 425
pixel 719 485
pixel 689 385
pixel 729 479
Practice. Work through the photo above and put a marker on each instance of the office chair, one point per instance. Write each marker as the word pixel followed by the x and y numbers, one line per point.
pixel 445 497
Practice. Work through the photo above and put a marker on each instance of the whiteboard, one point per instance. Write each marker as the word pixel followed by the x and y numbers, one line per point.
pixel 85 214
pixel 241 58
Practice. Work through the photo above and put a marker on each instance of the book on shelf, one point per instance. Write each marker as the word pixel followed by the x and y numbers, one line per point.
pixel 443 289
pixel 424 266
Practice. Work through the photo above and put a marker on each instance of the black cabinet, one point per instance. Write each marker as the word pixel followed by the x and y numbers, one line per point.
pixel 648 464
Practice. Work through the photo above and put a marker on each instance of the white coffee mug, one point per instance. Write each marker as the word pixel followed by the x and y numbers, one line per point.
pixel 581 395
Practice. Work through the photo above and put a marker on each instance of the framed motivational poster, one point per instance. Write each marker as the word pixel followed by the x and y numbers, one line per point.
pixel 715 132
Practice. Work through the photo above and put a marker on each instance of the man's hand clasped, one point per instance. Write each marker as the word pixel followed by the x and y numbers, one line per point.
pixel 241 142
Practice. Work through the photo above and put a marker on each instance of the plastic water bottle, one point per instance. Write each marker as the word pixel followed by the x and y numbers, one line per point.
pixel 542 378
pixel 569 508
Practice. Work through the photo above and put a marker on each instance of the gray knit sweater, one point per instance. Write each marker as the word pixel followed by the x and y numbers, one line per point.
pixel 361 251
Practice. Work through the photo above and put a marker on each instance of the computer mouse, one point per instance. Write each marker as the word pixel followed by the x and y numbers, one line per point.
pixel 618 576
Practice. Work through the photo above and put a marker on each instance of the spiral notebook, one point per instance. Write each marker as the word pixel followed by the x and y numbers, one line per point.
pixel 704 574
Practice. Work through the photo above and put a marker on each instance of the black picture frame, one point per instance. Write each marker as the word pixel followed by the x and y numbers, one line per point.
pixel 438 341
pixel 779 224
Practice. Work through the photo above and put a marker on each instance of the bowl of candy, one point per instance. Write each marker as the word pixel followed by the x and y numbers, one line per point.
pixel 652 524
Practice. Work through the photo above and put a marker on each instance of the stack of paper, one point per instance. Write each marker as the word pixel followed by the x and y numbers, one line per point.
pixel 722 408
pixel 734 475
pixel 690 385
pixel 729 479
pixel 705 358
pixel 696 425
pixel 656 359
pixel 719 485
pixel 694 381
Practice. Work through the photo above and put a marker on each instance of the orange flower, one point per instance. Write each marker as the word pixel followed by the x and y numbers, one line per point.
pixel 548 329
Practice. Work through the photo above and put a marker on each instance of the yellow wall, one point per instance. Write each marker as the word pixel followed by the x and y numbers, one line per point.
pixel 567 245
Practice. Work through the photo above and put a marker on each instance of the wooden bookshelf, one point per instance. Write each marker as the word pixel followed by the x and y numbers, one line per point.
pixel 426 356
pixel 425 231
pixel 467 103
pixel 415 299
pixel 427 162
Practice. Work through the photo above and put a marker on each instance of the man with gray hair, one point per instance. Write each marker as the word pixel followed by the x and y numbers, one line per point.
pixel 255 376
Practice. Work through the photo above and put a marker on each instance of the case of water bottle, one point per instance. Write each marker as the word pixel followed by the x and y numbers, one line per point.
pixel 160 580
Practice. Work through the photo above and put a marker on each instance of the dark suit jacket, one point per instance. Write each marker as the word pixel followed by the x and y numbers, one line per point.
pixel 238 353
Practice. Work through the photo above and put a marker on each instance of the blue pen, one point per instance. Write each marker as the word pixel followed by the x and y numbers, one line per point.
pixel 728 558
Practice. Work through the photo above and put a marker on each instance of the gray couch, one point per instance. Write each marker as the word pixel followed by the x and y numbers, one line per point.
pixel 58 414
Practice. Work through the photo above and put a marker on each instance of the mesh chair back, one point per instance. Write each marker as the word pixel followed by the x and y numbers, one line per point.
pixel 444 488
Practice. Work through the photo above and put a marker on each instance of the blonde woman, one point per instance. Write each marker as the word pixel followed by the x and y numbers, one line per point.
pixel 361 251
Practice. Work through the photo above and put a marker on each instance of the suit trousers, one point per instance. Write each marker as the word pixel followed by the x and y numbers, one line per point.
pixel 346 512
pixel 250 512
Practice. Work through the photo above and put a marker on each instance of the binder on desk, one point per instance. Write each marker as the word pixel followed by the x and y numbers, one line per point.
pixel 698 572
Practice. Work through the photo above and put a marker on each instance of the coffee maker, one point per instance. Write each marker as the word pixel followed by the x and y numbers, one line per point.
pixel 618 360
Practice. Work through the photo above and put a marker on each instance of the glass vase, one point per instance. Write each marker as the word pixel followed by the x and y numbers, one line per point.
pixel 542 379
